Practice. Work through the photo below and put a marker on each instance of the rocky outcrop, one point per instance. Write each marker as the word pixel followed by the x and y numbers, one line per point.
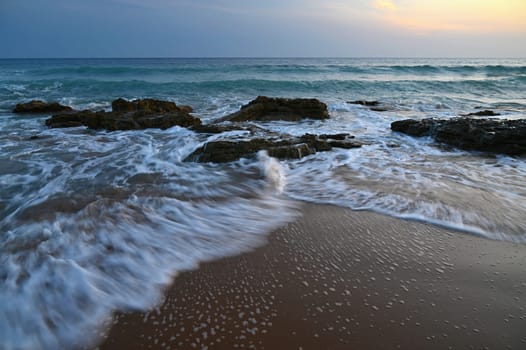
pixel 286 147
pixel 129 115
pixel 40 107
pixel 267 108
pixel 487 135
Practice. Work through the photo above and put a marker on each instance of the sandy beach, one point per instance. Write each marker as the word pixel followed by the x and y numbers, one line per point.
pixel 342 279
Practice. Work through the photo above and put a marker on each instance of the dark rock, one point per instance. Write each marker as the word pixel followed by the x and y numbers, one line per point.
pixel 41 107
pixel 414 127
pixel 342 136
pixel 488 135
pixel 147 105
pixel 364 103
pixel 347 144
pixel 373 105
pixel 296 151
pixel 267 108
pixel 379 109
pixel 129 115
pixel 315 142
pixel 223 151
pixel 287 147
pixel 484 113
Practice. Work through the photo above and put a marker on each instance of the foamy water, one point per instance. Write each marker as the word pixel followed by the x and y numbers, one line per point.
pixel 93 222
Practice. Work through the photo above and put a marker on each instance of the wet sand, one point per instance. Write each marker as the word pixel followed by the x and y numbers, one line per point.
pixel 340 279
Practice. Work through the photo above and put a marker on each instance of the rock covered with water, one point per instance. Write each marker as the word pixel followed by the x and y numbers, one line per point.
pixel 275 108
pixel 488 135
pixel 283 147
pixel 484 113
pixel 40 107
pixel 151 113
pixel 372 105
pixel 129 115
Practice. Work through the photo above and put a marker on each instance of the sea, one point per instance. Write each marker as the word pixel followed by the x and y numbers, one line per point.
pixel 95 222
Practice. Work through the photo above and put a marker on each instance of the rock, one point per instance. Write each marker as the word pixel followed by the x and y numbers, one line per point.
pixel 41 107
pixel 347 144
pixel 287 147
pixel 414 127
pixel 341 136
pixel 147 105
pixel 484 113
pixel 267 108
pixel 373 105
pixel 222 151
pixel 379 109
pixel 487 135
pixel 129 115
pixel 364 103
pixel 315 142
pixel 296 151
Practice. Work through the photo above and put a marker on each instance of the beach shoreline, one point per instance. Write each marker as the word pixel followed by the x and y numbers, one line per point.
pixel 342 279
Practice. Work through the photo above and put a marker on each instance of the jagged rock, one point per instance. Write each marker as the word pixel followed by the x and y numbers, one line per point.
pixel 222 151
pixel 484 113
pixel 267 108
pixel 129 115
pixel 488 135
pixel 41 107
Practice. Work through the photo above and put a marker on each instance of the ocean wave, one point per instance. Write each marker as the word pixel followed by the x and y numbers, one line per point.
pixel 102 233
pixel 452 189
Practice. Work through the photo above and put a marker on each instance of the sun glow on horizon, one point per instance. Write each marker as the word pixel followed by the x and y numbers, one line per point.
pixel 458 15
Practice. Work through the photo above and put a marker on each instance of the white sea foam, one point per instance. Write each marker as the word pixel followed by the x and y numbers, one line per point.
pixel 71 255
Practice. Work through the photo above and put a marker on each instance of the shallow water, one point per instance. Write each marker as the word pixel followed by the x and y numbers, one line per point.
pixel 93 222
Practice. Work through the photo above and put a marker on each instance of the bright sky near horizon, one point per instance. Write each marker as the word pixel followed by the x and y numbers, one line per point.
pixel 271 28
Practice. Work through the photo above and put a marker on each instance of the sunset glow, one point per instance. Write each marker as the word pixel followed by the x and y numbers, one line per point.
pixel 459 15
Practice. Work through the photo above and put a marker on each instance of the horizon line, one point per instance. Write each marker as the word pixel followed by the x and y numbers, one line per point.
pixel 253 57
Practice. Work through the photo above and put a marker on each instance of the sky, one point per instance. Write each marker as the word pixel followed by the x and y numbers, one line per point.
pixel 262 28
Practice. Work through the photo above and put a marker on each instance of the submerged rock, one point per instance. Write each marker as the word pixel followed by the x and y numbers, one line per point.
pixel 373 105
pixel 219 128
pixel 286 147
pixel 41 107
pixel 129 115
pixel 484 113
pixel 268 108
pixel 488 135
pixel 364 103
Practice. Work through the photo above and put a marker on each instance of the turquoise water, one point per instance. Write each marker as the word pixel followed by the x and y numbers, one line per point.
pixel 92 221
